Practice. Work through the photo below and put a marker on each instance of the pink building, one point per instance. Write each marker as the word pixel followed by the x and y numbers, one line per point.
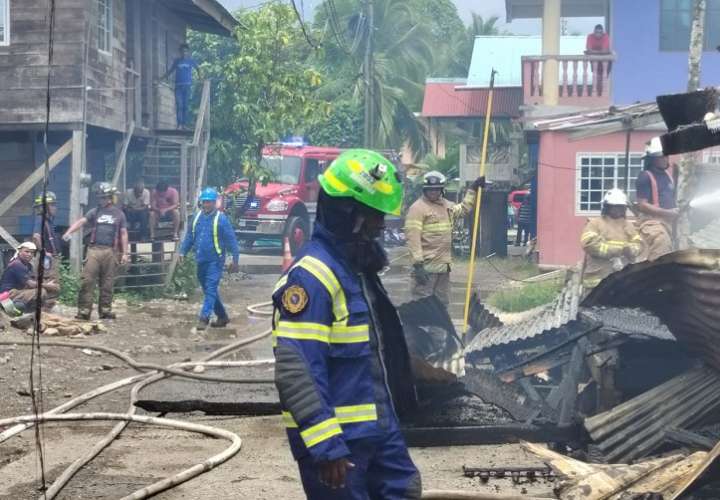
pixel 573 176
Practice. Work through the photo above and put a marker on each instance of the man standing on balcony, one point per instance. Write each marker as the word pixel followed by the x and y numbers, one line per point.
pixel 183 68
pixel 598 44
pixel 655 189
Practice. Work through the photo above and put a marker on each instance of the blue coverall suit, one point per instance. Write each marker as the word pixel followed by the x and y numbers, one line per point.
pixel 212 236
pixel 333 332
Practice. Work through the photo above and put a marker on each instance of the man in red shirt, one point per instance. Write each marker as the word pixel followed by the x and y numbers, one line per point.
pixel 598 44
pixel 165 203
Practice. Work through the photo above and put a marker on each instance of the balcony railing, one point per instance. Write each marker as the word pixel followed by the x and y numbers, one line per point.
pixel 583 80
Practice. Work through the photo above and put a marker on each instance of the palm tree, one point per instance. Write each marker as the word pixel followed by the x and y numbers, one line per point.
pixel 483 27
pixel 403 57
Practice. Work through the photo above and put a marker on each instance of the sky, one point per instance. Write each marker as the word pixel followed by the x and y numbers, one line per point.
pixel 485 8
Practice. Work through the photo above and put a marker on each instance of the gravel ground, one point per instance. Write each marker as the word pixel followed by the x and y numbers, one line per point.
pixel 160 331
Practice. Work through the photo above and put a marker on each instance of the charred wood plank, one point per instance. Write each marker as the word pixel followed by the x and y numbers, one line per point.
pixel 427 437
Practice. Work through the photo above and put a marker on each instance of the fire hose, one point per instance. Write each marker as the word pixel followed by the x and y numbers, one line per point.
pixel 143 380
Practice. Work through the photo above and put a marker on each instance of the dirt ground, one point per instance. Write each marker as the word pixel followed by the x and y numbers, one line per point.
pixel 160 331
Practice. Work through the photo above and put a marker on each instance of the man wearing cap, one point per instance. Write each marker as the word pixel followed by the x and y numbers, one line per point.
pixel 107 248
pixel 212 236
pixel 19 283
pixel 45 236
pixel 655 188
pixel 428 230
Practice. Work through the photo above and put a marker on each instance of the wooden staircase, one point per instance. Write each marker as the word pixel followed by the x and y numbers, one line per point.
pixel 180 158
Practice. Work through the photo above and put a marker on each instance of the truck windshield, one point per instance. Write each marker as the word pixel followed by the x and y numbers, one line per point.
pixel 283 169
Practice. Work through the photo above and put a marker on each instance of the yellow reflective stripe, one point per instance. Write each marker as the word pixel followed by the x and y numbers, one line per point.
pixel 334 182
pixel 587 236
pixel 281 283
pixel 355 414
pixel 302 331
pixel 325 275
pixel 603 248
pixel 412 224
pixel 343 414
pixel 616 243
pixel 343 334
pixel 216 239
pixel 437 227
pixel 288 420
pixel 321 432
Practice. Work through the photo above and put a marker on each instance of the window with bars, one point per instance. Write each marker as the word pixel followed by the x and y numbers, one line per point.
pixel 104 25
pixel 597 173
pixel 4 22
pixel 676 24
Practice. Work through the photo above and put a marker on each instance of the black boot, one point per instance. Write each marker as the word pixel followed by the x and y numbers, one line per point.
pixel 220 323
pixel 202 324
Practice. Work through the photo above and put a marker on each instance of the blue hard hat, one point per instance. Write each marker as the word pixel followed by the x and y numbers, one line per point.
pixel 209 194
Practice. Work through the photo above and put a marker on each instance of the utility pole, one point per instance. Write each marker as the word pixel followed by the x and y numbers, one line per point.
pixel 687 176
pixel 369 76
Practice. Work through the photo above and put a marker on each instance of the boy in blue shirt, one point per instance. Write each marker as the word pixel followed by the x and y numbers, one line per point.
pixel 183 68
pixel 212 235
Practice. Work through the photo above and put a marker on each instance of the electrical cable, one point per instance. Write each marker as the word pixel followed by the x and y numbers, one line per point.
pixel 37 396
pixel 312 44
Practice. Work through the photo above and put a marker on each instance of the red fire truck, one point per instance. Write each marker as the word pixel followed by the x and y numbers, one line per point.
pixel 285 204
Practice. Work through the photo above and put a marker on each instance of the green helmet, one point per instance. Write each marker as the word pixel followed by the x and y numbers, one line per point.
pixel 50 197
pixel 366 176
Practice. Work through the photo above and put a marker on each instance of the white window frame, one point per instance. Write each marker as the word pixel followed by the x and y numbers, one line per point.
pixel 712 156
pixel 618 158
pixel 107 39
pixel 5 6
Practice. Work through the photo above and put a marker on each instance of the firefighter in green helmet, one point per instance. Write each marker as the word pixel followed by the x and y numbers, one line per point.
pixel 342 365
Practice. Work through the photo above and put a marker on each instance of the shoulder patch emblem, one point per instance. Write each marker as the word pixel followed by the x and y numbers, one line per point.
pixel 294 299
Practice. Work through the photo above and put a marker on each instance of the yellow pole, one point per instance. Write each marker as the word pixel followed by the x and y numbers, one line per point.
pixel 478 202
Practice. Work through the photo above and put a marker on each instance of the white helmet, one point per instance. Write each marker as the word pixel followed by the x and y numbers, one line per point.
pixel 654 148
pixel 434 179
pixel 616 197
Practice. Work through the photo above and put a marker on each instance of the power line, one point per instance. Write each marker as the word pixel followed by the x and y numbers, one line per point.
pixel 312 44
pixel 37 397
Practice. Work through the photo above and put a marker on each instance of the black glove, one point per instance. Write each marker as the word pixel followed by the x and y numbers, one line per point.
pixel 478 183
pixel 421 275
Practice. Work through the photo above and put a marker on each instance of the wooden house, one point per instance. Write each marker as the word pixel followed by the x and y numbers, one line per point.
pixel 105 98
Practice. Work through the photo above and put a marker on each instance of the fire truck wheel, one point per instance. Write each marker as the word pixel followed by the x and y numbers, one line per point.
pixel 297 233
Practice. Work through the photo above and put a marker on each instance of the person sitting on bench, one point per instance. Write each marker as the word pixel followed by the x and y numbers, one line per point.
pixel 164 205
pixel 19 282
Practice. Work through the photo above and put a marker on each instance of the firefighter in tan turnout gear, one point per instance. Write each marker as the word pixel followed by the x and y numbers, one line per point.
pixel 611 241
pixel 428 229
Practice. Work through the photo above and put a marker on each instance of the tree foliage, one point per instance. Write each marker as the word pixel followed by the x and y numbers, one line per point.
pixel 263 87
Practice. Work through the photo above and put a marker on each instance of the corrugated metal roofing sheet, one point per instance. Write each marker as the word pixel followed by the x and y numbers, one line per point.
pixel 443 100
pixel 629 322
pixel 561 312
pixel 682 289
pixel 504 54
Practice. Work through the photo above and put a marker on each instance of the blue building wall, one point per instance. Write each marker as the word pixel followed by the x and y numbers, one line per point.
pixel 642 71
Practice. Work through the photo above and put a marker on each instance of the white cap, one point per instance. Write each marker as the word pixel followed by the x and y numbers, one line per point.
pixel 616 197
pixel 654 147
pixel 29 245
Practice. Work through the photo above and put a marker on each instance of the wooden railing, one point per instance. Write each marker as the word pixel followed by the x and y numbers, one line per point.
pixel 583 80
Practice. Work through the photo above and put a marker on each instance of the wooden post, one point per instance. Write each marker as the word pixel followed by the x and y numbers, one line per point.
pixel 78 144
pixel 185 196
pixel 120 162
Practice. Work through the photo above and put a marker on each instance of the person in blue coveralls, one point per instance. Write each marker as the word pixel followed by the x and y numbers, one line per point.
pixel 212 236
pixel 342 367
pixel 183 68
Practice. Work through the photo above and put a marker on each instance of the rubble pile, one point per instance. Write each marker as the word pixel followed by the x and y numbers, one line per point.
pixel 635 366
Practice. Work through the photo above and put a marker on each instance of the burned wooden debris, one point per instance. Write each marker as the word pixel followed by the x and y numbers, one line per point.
pixel 637 362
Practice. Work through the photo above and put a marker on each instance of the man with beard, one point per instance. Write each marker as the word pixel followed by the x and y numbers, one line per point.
pixel 342 365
